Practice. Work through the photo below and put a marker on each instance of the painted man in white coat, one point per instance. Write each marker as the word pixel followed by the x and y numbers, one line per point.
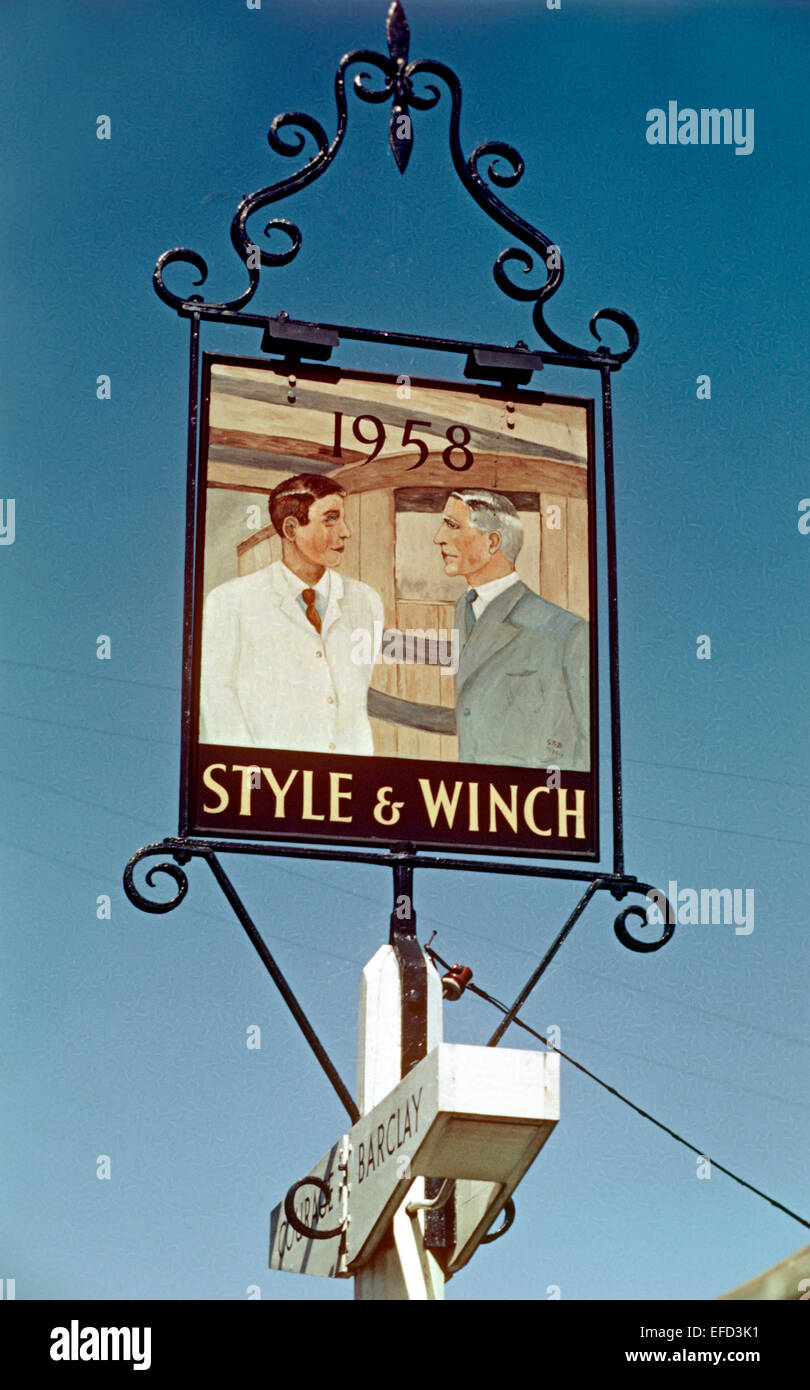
pixel 279 646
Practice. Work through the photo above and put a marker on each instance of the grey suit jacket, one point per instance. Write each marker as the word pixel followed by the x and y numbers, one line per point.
pixel 522 684
pixel 522 688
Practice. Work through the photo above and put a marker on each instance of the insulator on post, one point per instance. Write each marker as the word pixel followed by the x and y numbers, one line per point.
pixel 456 981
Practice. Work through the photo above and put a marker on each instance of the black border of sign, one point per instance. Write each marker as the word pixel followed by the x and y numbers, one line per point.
pixel 194 584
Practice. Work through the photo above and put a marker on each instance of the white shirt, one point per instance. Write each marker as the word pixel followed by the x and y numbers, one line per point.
pixel 269 679
pixel 487 592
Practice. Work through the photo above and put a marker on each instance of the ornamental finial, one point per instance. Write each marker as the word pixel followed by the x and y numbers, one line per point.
pixel 397 32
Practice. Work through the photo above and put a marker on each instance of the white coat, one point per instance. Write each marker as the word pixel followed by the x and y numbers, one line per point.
pixel 270 680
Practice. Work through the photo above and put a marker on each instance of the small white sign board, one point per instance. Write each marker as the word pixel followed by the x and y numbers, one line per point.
pixel 462 1112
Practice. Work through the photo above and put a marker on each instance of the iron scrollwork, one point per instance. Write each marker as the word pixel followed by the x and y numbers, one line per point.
pixel 174 871
pixel 311 1232
pixel 508 1221
pixel 636 910
pixel 288 136
pixel 619 885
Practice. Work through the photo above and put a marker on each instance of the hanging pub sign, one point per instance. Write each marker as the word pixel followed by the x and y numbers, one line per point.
pixel 390 623
pixel 393 612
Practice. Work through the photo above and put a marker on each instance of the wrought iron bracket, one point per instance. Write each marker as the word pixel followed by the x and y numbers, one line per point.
pixel 402 861
pixel 410 956
pixel 289 134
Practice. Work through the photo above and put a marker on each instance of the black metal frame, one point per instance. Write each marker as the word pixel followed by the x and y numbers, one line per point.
pixel 307 373
pixel 295 341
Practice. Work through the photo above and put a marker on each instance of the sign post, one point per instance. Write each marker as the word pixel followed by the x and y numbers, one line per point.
pixel 404 1198
pixel 401 1267
pixel 391 611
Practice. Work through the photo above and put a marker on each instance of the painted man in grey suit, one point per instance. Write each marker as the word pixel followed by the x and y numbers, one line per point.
pixel 522 690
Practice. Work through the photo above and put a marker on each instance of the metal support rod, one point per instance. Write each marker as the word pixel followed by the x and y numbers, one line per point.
pixel 191 487
pixel 547 959
pixel 283 988
pixel 403 916
pixel 581 359
pixel 436 1203
pixel 482 864
pixel 613 626
pixel 412 967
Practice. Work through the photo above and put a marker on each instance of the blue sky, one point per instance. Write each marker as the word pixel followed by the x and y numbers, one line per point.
pixel 127 1037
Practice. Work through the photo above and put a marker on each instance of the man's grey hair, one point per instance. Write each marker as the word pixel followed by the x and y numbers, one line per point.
pixel 491 511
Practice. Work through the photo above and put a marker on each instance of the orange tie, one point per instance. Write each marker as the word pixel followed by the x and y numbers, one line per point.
pixel 314 616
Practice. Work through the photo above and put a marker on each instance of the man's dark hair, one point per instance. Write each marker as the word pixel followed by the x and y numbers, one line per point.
pixel 295 496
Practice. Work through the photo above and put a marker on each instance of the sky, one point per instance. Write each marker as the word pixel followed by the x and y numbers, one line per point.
pixel 126 1037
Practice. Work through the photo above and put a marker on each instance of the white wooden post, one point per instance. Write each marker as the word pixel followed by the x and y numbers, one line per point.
pixel 400 1268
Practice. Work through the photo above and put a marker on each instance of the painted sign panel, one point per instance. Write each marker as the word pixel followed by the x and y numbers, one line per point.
pixel 394 596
